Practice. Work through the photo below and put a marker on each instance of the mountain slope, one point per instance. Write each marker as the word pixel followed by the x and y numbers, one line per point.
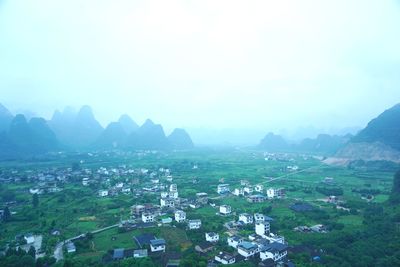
pixel 180 139
pixel 148 136
pixel 274 143
pixel 5 118
pixel 128 124
pixel 384 129
pixel 114 136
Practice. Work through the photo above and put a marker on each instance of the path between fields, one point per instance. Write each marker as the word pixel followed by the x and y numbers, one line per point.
pixel 58 251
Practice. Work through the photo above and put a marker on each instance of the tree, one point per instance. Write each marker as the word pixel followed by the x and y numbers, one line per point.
pixel 6 215
pixel 395 195
pixel 35 200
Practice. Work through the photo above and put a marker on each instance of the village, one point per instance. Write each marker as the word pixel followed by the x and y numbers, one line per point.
pixel 159 212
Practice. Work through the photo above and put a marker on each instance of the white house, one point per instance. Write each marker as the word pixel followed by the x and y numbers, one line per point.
pixel 246 218
pixel 275 193
pixel 29 238
pixel 157 245
pixel 262 228
pixel 223 188
pixel 70 247
pixel 225 209
pixel 119 185
pixel 259 188
pixel 173 188
pixel 247 249
pixel 180 216
pixel 212 237
pixel 248 190
pixel 238 192
pixel 225 258
pixel 270 193
pixel 164 194
pixel 103 193
pixel 126 190
pixel 275 251
pixel 234 241
pixel 167 202
pixel 259 217
pixel 194 224
pixel 174 194
pixel 85 181
pixel 275 238
pixel 148 217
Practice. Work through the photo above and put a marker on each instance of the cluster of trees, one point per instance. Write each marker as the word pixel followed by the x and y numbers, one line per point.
pixel 21 258
pixel 330 191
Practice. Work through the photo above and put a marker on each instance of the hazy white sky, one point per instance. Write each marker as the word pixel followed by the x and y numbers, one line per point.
pixel 217 64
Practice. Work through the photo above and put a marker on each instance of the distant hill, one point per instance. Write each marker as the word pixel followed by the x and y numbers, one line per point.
pixel 322 144
pixel 380 140
pixel 114 136
pixel 149 136
pixel 128 124
pixel 80 130
pixel 384 129
pixel 180 139
pixel 5 118
pixel 77 130
pixel 274 143
pixel 27 138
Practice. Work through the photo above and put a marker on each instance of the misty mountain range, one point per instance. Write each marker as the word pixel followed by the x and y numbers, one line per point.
pixel 70 130
pixel 379 140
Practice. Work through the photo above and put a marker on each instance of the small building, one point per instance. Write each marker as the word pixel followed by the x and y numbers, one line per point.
pixel 274 251
pixel 234 241
pixel 167 202
pixel 262 228
pixel 126 190
pixel 259 188
pixel 166 220
pixel 276 193
pixel 225 258
pixel 180 216
pixel 212 237
pixel 247 249
pixel 194 224
pixel 85 181
pixel 248 190
pixel 157 245
pixel 140 253
pixel 204 247
pixel 29 238
pixel 238 192
pixel 256 198
pixel 148 217
pixel 70 247
pixel 103 193
pixel 223 189
pixel 246 218
pixel 225 209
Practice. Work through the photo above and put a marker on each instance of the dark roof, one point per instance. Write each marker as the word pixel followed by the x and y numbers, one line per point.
pixel 157 242
pixel 144 239
pixel 226 256
pixel 206 245
pixel 275 246
pixel 118 254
